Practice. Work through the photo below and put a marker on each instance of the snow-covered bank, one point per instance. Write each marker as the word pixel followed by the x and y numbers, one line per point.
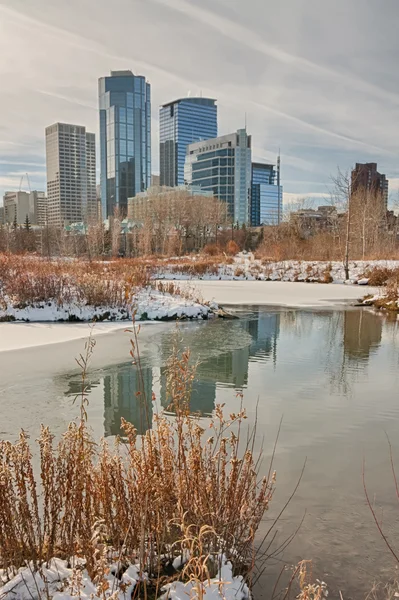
pixel 245 267
pixel 147 304
pixel 15 336
pixel 58 581
pixel 279 293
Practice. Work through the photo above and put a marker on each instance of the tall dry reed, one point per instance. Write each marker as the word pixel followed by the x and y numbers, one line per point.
pixel 181 490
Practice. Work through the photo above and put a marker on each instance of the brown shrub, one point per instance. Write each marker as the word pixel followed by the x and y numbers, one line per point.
pixel 232 248
pixel 379 276
pixel 151 494
pixel 211 250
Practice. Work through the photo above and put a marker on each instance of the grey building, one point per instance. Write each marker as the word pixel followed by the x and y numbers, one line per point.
pixel 125 139
pixel 181 123
pixel 71 174
pixel 223 166
pixel 21 205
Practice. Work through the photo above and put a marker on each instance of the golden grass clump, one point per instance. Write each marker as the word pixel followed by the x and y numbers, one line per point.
pixel 182 490
pixel 29 280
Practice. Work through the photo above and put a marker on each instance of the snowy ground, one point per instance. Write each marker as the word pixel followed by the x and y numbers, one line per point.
pixel 277 293
pixel 147 304
pixel 246 267
pixel 59 582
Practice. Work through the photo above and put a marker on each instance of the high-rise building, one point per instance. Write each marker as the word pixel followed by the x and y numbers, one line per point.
pixel 223 166
pixel 181 123
pixel 21 205
pixel 367 177
pixel 125 139
pixel 266 195
pixel 71 174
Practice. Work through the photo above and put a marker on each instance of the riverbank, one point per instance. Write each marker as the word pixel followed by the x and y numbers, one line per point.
pixel 245 267
pixel 14 336
pixel 280 293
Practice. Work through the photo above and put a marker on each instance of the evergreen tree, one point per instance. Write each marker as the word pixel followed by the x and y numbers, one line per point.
pixel 15 224
pixel 27 224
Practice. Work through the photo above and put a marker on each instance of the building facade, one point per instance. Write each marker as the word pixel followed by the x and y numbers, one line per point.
pixel 18 206
pixel 125 139
pixel 266 195
pixel 223 166
pixel 367 177
pixel 181 123
pixel 71 174
pixel 140 207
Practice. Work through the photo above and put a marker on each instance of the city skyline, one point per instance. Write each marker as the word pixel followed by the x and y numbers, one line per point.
pixel 324 105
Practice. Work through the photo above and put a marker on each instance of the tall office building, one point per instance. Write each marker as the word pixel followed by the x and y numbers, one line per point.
pixel 266 195
pixel 223 165
pixel 125 139
pixel 71 174
pixel 367 177
pixel 181 123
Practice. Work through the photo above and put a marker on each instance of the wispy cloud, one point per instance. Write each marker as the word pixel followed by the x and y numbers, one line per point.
pixel 323 103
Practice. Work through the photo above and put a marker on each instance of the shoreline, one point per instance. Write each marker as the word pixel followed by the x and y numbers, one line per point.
pixel 19 335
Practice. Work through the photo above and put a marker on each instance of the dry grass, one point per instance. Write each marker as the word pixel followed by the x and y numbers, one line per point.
pixel 179 489
pixel 379 276
pixel 29 280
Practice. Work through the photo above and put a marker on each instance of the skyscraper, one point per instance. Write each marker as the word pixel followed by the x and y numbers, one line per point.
pixel 183 122
pixel 266 195
pixel 223 165
pixel 71 174
pixel 125 138
pixel 366 176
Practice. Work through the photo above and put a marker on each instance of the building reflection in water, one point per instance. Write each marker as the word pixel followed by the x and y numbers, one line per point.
pixel 353 336
pixel 128 395
pixel 362 334
pixel 230 369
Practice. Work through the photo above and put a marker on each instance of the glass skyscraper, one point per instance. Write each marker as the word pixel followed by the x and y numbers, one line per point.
pixel 125 138
pixel 183 122
pixel 223 165
pixel 266 195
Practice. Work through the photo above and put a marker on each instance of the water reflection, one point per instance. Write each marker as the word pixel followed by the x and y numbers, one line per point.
pixel 341 344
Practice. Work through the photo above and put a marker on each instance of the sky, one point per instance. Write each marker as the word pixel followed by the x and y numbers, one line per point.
pixel 318 80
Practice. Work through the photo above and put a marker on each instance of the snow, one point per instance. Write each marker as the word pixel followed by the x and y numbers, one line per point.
pixel 148 304
pixel 277 293
pixel 15 336
pixel 246 267
pixel 40 326
pixel 60 582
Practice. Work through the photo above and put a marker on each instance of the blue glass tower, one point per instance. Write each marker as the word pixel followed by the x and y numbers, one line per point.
pixel 266 195
pixel 125 138
pixel 181 123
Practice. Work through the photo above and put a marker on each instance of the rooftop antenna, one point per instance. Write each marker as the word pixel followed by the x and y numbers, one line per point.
pixel 245 121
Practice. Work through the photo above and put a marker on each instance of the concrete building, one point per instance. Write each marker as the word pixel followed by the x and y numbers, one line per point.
pixel 125 139
pixel 223 166
pixel 266 195
pixel 19 205
pixel 367 177
pixel 39 202
pixel 1 215
pixel 309 220
pixel 141 206
pixel 183 122
pixel 155 180
pixel 71 174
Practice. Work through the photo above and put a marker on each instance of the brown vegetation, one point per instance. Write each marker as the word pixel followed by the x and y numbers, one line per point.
pixel 29 280
pixel 150 498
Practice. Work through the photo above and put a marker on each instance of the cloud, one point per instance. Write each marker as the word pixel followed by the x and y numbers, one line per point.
pixel 321 103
